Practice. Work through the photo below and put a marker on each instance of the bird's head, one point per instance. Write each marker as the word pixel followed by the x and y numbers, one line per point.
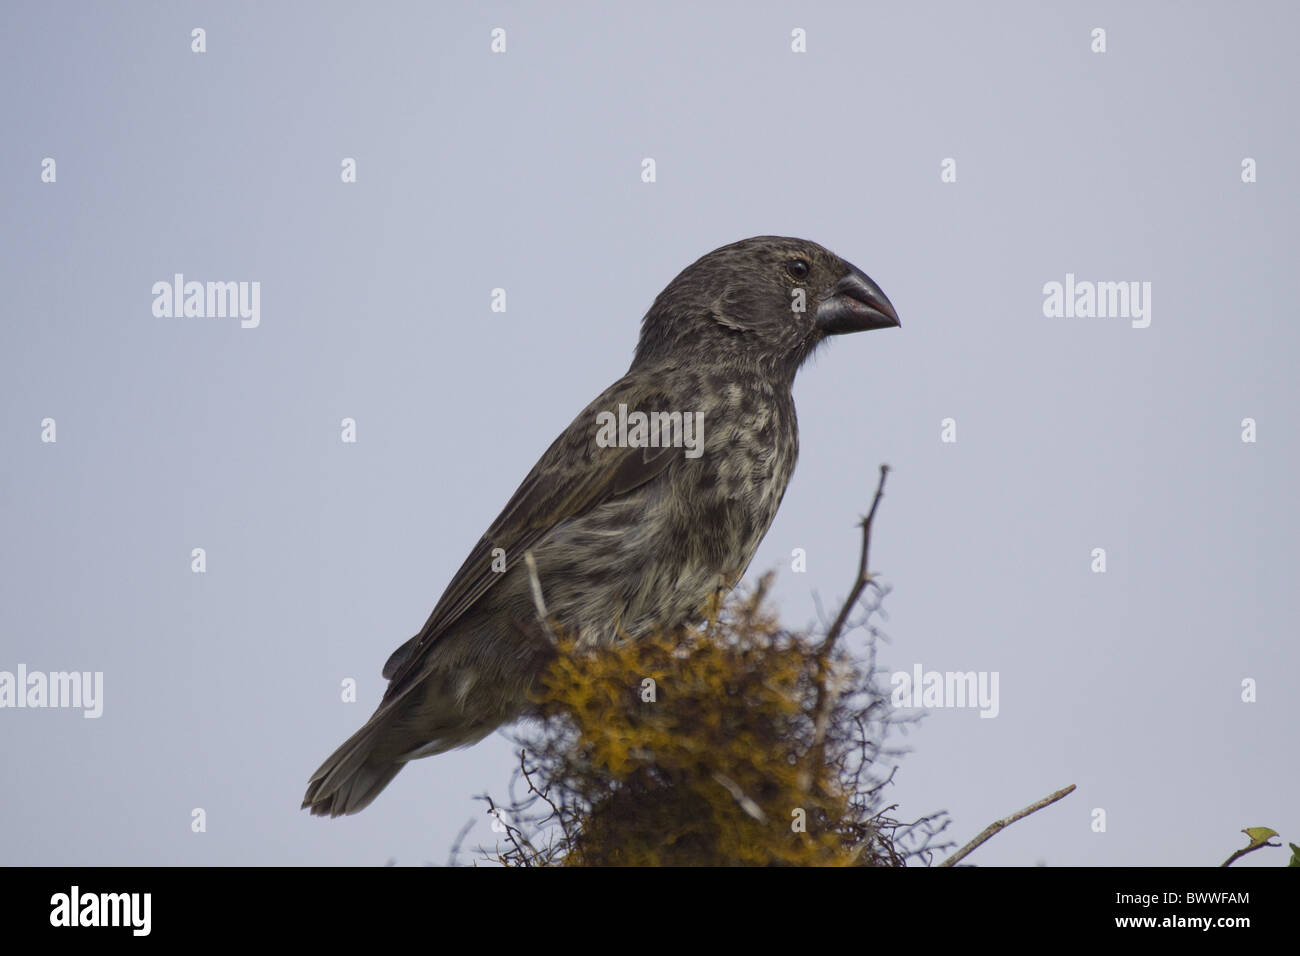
pixel 770 299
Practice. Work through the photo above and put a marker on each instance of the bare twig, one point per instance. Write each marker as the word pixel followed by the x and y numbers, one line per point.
pixel 864 576
pixel 543 616
pixel 999 825
pixel 825 699
pixel 737 794
pixel 516 836
pixel 557 813
pixel 460 838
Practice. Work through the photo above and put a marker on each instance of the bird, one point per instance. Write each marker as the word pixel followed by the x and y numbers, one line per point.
pixel 625 530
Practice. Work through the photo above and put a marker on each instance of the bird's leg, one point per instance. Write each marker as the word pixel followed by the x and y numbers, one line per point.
pixel 713 606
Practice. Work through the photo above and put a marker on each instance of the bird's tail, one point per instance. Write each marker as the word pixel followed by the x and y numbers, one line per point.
pixel 352 776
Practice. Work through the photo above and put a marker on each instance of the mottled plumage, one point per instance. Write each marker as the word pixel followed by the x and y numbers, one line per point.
pixel 627 540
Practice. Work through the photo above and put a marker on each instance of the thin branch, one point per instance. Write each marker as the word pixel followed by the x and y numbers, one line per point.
pixel 999 825
pixel 544 795
pixel 864 576
pixel 1254 845
pixel 460 838
pixel 824 699
pixel 539 602
pixel 737 794
pixel 513 834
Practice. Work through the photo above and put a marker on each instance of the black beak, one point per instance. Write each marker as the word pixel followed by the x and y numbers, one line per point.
pixel 855 304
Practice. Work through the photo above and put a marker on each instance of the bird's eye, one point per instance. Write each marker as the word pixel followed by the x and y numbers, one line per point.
pixel 798 268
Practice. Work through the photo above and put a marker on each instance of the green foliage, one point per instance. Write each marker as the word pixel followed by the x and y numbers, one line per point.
pixel 1259 837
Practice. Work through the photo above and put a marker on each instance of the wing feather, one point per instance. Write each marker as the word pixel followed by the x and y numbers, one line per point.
pixel 573 476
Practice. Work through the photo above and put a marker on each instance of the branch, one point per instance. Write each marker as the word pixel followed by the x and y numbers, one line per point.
pixel 1259 837
pixel 864 576
pixel 1002 824
pixel 824 699
pixel 746 804
pixel 460 838
pixel 511 833
pixel 539 602
pixel 545 795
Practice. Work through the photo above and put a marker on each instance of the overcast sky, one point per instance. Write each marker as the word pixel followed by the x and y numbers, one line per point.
pixel 523 170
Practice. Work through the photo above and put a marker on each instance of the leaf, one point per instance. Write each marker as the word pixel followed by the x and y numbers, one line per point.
pixel 1259 836
pixel 1295 855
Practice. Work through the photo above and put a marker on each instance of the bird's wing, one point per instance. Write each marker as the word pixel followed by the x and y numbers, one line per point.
pixel 573 476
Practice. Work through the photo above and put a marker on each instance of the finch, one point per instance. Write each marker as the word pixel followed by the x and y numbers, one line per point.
pixel 648 505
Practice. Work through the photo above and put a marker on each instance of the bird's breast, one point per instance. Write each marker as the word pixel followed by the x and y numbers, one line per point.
pixel 649 559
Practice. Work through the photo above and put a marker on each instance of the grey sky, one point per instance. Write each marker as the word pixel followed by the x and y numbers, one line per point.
pixel 522 171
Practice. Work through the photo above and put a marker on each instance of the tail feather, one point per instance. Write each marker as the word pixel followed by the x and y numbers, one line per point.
pixel 428 714
pixel 352 776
